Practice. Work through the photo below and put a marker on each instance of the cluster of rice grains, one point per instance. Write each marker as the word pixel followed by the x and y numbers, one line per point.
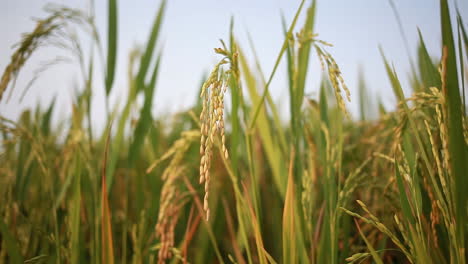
pixel 212 122
pixel 51 31
pixel 168 214
pixel 172 198
pixel 334 72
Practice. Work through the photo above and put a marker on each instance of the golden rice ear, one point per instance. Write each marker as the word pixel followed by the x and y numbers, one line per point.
pixel 171 201
pixel 212 123
pixel 48 31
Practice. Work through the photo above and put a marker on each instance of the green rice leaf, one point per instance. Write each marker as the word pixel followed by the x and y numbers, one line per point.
pixel 429 74
pixel 111 45
pixel 11 244
pixel 106 224
pixel 277 62
pixel 75 207
pixel 374 254
pixel 404 201
pixel 150 45
pixel 145 116
pixel 456 145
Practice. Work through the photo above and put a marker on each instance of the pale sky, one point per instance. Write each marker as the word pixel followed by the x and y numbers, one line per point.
pixel 191 29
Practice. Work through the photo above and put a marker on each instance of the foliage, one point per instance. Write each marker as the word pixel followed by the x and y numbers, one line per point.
pixel 238 185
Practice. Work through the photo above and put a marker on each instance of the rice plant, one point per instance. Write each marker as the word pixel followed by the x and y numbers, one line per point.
pixel 238 184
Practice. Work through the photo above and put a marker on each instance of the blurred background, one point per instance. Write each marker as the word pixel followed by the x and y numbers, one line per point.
pixel 191 29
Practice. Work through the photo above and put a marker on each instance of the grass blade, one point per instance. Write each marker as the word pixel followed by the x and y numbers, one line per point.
pixel 278 60
pixel 289 233
pixel 45 126
pixel 106 225
pixel 236 93
pixel 119 137
pixel 456 144
pixel 404 201
pixel 428 71
pixel 374 254
pixel 12 247
pixel 303 56
pixel 462 35
pixel 150 45
pixel 272 152
pixel 111 45
pixel 145 116
pixel 75 207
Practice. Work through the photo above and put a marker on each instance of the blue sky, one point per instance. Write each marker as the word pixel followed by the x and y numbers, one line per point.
pixel 191 29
